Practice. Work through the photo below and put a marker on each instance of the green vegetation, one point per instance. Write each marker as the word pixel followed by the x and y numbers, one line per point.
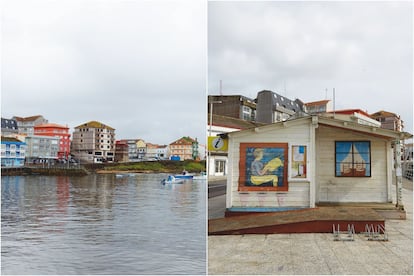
pixel 166 166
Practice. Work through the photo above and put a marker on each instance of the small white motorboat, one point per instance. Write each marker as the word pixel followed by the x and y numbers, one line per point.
pixel 172 180
pixel 201 176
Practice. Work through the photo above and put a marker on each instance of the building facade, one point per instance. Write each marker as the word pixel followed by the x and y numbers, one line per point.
pixel 183 148
pixel 42 149
pixel 235 106
pixel 318 107
pixel 308 161
pixel 13 152
pixel 26 124
pixel 9 127
pixel 93 142
pixel 272 107
pixel 389 120
pixel 121 151
pixel 59 131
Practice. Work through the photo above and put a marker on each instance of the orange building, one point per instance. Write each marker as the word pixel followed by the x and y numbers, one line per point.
pixel 55 130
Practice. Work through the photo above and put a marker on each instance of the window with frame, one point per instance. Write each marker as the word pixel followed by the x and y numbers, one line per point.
pixel 352 158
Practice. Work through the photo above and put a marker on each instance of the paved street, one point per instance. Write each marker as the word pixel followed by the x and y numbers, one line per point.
pixel 288 254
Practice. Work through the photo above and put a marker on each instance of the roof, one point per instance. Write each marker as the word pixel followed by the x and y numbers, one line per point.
pixel 184 140
pixel 341 124
pixel 281 101
pixel 27 119
pixel 10 139
pixel 383 113
pixel 230 122
pixel 323 102
pixel 51 125
pixel 350 112
pixel 95 124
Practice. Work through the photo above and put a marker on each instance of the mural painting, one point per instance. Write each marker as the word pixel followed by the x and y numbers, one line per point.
pixel 263 166
pixel 353 159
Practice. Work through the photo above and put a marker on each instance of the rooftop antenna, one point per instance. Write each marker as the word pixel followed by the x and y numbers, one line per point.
pixel 326 93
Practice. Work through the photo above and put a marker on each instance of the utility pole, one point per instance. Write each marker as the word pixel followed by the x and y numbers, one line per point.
pixel 210 126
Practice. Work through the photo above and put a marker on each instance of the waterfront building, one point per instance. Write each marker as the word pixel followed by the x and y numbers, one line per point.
pixel 272 107
pixel 41 149
pixel 9 127
pixel 93 142
pixel 26 124
pixel 13 152
pixel 183 148
pixel 389 120
pixel 156 152
pixel 59 131
pixel 235 106
pixel 121 151
pixel 309 161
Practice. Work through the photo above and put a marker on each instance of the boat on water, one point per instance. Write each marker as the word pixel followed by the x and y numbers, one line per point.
pixel 172 180
pixel 201 176
pixel 184 175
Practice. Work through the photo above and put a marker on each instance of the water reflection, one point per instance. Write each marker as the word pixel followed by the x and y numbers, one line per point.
pixel 102 224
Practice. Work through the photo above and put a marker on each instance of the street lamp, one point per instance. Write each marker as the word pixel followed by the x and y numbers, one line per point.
pixel 211 124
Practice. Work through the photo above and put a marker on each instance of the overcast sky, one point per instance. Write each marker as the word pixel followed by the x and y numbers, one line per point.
pixel 137 66
pixel 305 49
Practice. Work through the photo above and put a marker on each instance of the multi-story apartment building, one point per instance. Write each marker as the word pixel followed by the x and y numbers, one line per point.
pixel 26 124
pixel 59 131
pixel 184 149
pixel 235 106
pixel 93 142
pixel 318 107
pixel 9 127
pixel 389 120
pixel 272 107
pixel 42 149
pixel 13 152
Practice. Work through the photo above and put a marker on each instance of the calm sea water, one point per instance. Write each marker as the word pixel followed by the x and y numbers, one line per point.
pixel 102 224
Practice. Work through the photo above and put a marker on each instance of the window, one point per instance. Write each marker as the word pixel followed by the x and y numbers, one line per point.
pixel 352 158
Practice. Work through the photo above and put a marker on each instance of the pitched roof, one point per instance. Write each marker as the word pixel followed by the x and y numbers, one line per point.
pixel 186 140
pixel 51 125
pixel 317 103
pixel 95 124
pixel 10 139
pixel 27 119
pixel 383 113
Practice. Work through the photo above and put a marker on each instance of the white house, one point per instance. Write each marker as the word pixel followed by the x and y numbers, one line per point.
pixel 302 162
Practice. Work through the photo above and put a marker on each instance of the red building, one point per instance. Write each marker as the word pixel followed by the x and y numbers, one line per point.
pixel 55 130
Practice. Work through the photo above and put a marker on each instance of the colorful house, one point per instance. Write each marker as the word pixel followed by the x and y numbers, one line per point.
pixel 59 131
pixel 183 148
pixel 311 160
pixel 13 152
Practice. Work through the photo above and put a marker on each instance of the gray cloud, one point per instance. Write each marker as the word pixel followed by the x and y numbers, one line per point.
pixel 362 49
pixel 138 66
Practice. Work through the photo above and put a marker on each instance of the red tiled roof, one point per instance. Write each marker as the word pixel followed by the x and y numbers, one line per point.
pixel 317 103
